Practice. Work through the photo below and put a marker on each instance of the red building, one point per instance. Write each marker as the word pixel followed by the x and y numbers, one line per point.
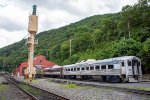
pixel 40 62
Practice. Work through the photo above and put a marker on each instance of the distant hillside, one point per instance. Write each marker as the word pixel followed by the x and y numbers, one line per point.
pixel 97 37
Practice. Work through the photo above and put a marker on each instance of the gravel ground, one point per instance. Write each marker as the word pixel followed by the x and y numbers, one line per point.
pixel 10 92
pixel 87 92
pixel 139 85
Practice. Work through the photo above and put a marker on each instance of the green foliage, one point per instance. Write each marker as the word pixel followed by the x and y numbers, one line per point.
pixel 146 55
pixel 95 37
pixel 146 46
pixel 126 47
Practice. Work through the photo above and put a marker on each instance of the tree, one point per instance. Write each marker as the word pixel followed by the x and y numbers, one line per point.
pixel 126 47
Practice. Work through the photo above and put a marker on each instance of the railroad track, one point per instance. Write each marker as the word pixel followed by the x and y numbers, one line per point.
pixel 81 83
pixel 35 93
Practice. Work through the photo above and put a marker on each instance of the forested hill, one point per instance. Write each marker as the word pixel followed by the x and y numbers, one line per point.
pixel 96 37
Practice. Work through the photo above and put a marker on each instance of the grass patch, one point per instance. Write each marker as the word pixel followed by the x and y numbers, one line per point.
pixel 2 98
pixel 3 87
pixel 49 80
pixel 31 90
pixel 71 85
pixel 33 81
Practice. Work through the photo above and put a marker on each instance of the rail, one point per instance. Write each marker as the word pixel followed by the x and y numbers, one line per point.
pixel 40 93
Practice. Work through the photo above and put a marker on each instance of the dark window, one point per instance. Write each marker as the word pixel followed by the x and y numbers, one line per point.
pixel 40 61
pixel 91 67
pixel 83 68
pixel 110 66
pixel 78 69
pixel 129 63
pixel 68 69
pixel 138 64
pixel 103 67
pixel 71 69
pixel 87 68
pixel 122 63
pixel 97 67
pixel 74 69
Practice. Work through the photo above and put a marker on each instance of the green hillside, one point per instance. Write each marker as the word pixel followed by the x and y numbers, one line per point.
pixel 95 37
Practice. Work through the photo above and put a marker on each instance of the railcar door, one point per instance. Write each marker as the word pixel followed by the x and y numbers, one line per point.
pixel 123 69
pixel 135 67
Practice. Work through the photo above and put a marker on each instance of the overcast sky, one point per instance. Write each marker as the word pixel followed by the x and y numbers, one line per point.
pixel 52 14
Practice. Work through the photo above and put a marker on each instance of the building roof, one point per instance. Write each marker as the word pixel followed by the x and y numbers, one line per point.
pixel 39 60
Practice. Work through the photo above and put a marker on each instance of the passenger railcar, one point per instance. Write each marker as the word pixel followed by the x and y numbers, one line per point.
pixel 126 68
pixel 119 69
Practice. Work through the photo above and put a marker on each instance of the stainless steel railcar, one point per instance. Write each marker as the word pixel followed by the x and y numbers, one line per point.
pixel 126 68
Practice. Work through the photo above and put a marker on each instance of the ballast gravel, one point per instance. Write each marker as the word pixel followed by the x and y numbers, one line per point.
pixel 86 92
pixel 10 92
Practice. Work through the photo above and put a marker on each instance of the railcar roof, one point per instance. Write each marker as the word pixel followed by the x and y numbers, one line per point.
pixel 72 65
pixel 116 59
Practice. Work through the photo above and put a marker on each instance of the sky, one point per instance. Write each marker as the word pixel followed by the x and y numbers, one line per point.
pixel 52 14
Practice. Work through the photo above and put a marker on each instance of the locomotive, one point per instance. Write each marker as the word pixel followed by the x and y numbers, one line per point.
pixel 119 69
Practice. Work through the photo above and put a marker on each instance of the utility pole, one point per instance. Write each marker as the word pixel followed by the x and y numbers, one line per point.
pixel 70 46
pixel 32 29
pixel 3 66
pixel 129 29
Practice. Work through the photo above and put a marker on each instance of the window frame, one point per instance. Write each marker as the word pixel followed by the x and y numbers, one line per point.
pixel 98 67
pixel 87 68
pixel 92 67
pixel 111 66
pixel 72 69
pixel 122 64
pixel 75 69
pixel 66 69
pixel 129 63
pixel 83 68
pixel 78 69
pixel 103 66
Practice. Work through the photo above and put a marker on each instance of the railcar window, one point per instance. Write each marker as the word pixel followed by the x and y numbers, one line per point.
pixel 71 69
pixel 83 68
pixel 133 63
pixel 129 63
pixel 74 69
pixel 91 67
pixel 138 64
pixel 110 66
pixel 97 67
pixel 87 68
pixel 122 63
pixel 103 67
pixel 68 69
pixel 78 69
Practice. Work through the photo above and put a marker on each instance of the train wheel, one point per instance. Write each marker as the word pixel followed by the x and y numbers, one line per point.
pixel 113 79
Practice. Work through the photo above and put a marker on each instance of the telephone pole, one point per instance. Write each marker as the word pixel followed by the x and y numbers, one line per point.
pixel 129 29
pixel 70 47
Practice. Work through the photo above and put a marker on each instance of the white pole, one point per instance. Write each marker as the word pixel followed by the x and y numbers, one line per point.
pixel 70 47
